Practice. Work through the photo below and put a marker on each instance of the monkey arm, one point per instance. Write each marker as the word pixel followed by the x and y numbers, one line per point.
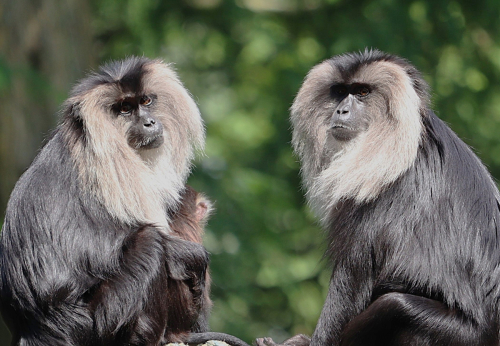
pixel 201 325
pixel 120 298
pixel 187 289
pixel 134 302
pixel 339 308
pixel 348 295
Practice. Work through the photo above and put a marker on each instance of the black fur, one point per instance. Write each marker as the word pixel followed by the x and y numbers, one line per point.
pixel 71 274
pixel 127 74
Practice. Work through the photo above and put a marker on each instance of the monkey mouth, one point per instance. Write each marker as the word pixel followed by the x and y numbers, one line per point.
pixel 342 132
pixel 341 126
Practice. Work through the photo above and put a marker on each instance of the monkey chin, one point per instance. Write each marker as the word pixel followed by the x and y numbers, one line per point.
pixel 155 143
pixel 152 143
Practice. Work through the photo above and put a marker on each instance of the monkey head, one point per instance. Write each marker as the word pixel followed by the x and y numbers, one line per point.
pixel 132 123
pixel 357 126
pixel 189 219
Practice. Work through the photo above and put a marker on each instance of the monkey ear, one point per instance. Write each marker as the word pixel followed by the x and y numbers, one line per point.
pixel 204 208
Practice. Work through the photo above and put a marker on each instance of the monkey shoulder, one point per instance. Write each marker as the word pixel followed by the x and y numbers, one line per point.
pixel 52 233
pixel 453 172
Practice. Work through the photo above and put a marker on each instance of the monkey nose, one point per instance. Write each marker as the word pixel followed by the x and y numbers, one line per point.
pixel 151 126
pixel 149 122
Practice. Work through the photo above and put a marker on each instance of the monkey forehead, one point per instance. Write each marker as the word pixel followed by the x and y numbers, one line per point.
pixel 329 72
pixel 381 73
pixel 128 76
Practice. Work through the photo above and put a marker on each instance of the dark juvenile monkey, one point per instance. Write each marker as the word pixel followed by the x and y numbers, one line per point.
pixel 190 301
pixel 89 254
pixel 413 216
pixel 189 219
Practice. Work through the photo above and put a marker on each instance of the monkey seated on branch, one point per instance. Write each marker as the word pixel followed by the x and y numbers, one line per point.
pixel 412 214
pixel 101 239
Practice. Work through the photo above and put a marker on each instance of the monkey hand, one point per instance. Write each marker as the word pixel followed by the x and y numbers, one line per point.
pixel 297 340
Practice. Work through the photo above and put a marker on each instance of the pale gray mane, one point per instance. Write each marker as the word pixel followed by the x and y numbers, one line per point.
pixel 362 168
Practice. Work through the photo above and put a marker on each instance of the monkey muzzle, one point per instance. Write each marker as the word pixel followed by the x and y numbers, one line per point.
pixel 146 136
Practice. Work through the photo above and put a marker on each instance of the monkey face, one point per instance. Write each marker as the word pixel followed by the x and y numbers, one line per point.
pixel 349 118
pixel 145 130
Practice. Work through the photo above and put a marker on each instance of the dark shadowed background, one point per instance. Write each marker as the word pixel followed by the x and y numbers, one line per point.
pixel 244 61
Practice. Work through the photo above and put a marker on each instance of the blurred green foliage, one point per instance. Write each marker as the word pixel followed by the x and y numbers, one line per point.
pixel 244 61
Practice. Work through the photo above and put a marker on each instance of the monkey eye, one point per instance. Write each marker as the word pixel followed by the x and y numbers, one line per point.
pixel 362 90
pixel 146 100
pixel 125 108
pixel 338 90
